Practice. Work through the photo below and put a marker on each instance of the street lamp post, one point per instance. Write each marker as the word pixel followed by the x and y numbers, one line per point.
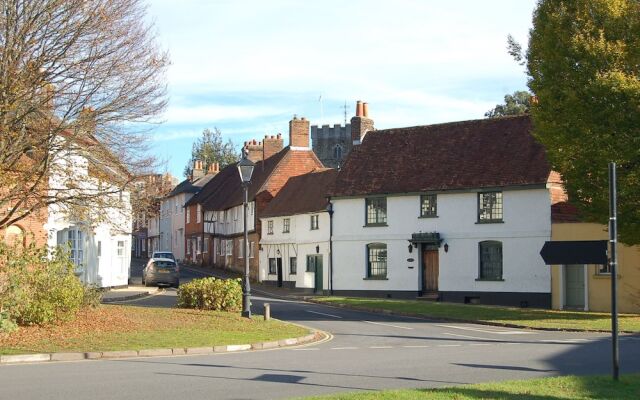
pixel 245 168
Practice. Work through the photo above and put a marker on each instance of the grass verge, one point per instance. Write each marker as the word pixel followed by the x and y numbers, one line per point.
pixel 526 317
pixel 565 387
pixel 110 327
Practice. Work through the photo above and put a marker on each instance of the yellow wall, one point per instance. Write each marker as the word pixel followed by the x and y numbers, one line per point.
pixel 599 286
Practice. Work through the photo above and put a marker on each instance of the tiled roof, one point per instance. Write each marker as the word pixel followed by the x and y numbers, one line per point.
pixel 302 194
pixel 564 212
pixel 225 190
pixel 475 154
pixel 187 186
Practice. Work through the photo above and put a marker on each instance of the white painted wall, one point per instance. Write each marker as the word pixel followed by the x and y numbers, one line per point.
pixel 526 226
pixel 110 267
pixel 299 242
pixel 229 221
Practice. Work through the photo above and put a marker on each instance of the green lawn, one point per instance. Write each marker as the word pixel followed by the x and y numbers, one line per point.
pixel 526 317
pixel 567 387
pixel 134 328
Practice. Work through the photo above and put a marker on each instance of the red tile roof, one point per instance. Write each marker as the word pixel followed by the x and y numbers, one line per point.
pixel 564 212
pixel 302 194
pixel 475 154
pixel 225 189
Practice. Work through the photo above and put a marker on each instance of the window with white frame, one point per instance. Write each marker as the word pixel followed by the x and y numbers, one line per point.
pixel 293 265
pixel 315 222
pixel 489 207
pixel 205 248
pixel 251 249
pixel 376 211
pixel 199 245
pixel 229 247
pixel 120 250
pixel 199 214
pixel 273 268
pixel 269 227
pixel 188 215
pixel 75 239
pixel 286 225
pixel 376 260
pixel 428 205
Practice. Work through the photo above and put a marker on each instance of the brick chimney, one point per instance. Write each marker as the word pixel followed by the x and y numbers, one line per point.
pixel 361 123
pixel 254 150
pixel 214 168
pixel 271 145
pixel 299 132
pixel 198 170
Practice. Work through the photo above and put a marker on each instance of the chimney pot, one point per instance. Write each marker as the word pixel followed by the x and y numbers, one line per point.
pixel 365 110
pixel 359 108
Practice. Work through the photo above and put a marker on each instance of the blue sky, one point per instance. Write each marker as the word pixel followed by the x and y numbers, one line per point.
pixel 248 66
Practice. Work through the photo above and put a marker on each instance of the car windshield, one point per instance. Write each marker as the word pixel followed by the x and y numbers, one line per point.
pixel 165 264
pixel 164 255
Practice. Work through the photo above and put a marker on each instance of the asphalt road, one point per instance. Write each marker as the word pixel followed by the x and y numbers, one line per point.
pixel 367 352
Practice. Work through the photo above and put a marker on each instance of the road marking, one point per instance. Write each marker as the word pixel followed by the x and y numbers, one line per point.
pixel 344 348
pixel 480 344
pixel 562 341
pixel 416 347
pixel 449 345
pixel 471 337
pixel 314 349
pixel 381 347
pixel 393 326
pixel 466 328
pixel 328 315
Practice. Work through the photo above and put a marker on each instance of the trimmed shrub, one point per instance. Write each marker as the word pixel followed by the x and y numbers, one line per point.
pixel 36 289
pixel 211 294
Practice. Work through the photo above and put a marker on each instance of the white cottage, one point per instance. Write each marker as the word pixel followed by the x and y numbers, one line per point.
pixel 456 212
pixel 294 245
pixel 100 245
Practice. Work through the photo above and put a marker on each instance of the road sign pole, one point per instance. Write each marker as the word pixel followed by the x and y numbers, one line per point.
pixel 613 239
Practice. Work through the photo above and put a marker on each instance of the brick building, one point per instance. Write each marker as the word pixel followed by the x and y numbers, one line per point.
pixel 220 202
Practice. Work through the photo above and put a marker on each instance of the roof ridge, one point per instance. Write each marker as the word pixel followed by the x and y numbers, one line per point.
pixel 454 123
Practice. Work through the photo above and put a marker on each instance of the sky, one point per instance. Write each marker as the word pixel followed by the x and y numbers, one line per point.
pixel 246 67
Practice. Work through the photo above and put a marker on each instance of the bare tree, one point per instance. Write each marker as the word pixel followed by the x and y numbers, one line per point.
pixel 77 78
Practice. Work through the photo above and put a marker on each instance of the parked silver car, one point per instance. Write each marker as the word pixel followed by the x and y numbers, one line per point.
pixel 161 271
pixel 165 254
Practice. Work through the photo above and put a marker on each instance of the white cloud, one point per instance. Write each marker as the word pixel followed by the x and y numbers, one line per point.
pixel 215 113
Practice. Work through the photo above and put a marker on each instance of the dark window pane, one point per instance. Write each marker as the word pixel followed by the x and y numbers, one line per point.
pixel 377 260
pixel 490 260
pixel 428 205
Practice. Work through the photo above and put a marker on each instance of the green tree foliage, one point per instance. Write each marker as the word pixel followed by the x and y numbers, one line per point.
pixel 210 149
pixel 514 104
pixel 583 63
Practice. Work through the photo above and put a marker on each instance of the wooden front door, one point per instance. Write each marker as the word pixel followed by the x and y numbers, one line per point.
pixel 430 268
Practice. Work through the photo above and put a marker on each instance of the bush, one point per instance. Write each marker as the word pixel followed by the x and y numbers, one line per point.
pixel 92 296
pixel 211 294
pixel 6 324
pixel 36 289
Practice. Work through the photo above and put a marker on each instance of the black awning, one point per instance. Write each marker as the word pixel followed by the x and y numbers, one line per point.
pixel 575 252
pixel 427 238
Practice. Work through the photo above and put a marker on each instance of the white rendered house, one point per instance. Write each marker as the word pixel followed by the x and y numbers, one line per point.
pixel 100 245
pixel 456 212
pixel 294 245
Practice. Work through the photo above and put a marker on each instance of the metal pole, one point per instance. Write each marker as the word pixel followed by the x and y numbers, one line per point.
pixel 246 288
pixel 613 239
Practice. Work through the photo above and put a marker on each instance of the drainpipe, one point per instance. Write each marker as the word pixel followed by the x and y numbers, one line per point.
pixel 330 211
